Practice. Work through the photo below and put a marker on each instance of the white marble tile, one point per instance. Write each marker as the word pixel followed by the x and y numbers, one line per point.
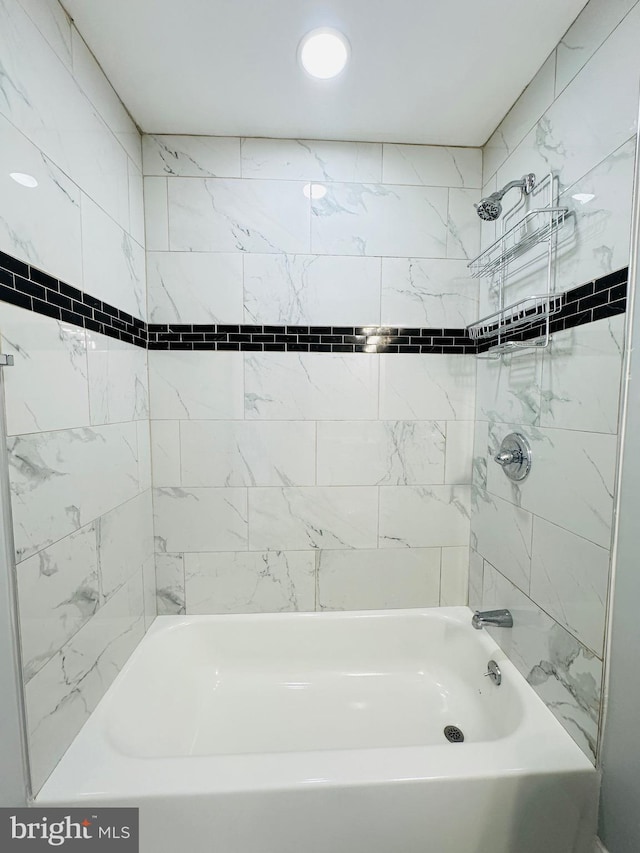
pixel 311 386
pixel 125 542
pixel 581 377
pixel 144 455
pixel 454 576
pixel 380 219
pixel 480 454
pixel 39 225
pixel 423 516
pixel 311 289
pixel 564 674
pixel 596 239
pixel 136 203
pixel 117 380
pixel 226 215
pixel 43 348
pixel 311 160
pixel 195 287
pixel 191 156
pixel 54 476
pixel 60 698
pixel 571 481
pixel 430 292
pixel 501 533
pixel 104 98
pixel 41 98
pixel 257 582
pixel 165 453
pixel 368 580
pixel 321 517
pixel 463 237
pixel 247 453
pixel 54 24
pixel 156 214
pixel 200 519
pixel 58 592
pixel 591 118
pixel 569 580
pixel 459 452
pixel 113 264
pixel 432 165
pixel 149 591
pixel 509 388
pixel 197 386
pixel 526 111
pixel 433 387
pixel 476 579
pixel 170 584
pixel 592 26
pixel 353 453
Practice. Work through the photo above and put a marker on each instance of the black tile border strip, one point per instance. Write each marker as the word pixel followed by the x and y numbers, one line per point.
pixel 28 287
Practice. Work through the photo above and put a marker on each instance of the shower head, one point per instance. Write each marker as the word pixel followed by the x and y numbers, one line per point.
pixel 490 208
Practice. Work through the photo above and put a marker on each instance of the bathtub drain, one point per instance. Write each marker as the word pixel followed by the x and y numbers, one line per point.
pixel 453 734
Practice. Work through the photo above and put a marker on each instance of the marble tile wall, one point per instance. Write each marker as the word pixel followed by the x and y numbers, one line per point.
pixel 302 481
pixel 542 547
pixel 76 402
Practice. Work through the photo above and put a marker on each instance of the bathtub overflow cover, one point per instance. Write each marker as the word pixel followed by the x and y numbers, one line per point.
pixel 453 734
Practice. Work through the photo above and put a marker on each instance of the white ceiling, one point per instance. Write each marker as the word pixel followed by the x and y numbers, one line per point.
pixel 422 71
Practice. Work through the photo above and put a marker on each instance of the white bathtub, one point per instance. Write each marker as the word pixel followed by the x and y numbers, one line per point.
pixel 323 733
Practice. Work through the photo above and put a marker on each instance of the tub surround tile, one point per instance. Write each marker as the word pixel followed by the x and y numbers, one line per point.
pixel 118 382
pixel 428 292
pixel 209 388
pixel 191 156
pixel 423 516
pixel 463 237
pixel 476 579
pixel 170 587
pixel 165 452
pixel 311 160
pixel 245 453
pixel 62 695
pixel 380 219
pixel 58 592
pixel 43 348
pixel 54 24
pixel 125 542
pixel 136 203
pixel 590 29
pixel 185 287
pixel 311 290
pixel 156 214
pixel 53 480
pixel 144 455
pixel 200 519
pixel 430 165
pixel 581 377
pixel 334 517
pixel 386 453
pixel 256 582
pixel 481 452
pixel 501 533
pixel 563 672
pixel 571 483
pixel 459 452
pixel 369 580
pixel 46 234
pixel 311 386
pixel 569 579
pixel 221 215
pixel 149 591
pixel 438 388
pixel 454 576
pixel 509 389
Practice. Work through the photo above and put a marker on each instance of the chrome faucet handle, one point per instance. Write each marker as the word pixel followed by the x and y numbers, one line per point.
pixel 507 457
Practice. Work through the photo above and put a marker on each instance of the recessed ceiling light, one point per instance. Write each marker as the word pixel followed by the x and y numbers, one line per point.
pixel 583 198
pixel 23 179
pixel 314 190
pixel 324 53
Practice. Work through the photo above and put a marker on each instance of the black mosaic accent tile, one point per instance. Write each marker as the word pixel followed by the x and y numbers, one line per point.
pixel 35 290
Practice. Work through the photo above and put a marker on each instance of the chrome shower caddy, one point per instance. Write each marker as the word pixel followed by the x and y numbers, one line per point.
pixel 509 254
